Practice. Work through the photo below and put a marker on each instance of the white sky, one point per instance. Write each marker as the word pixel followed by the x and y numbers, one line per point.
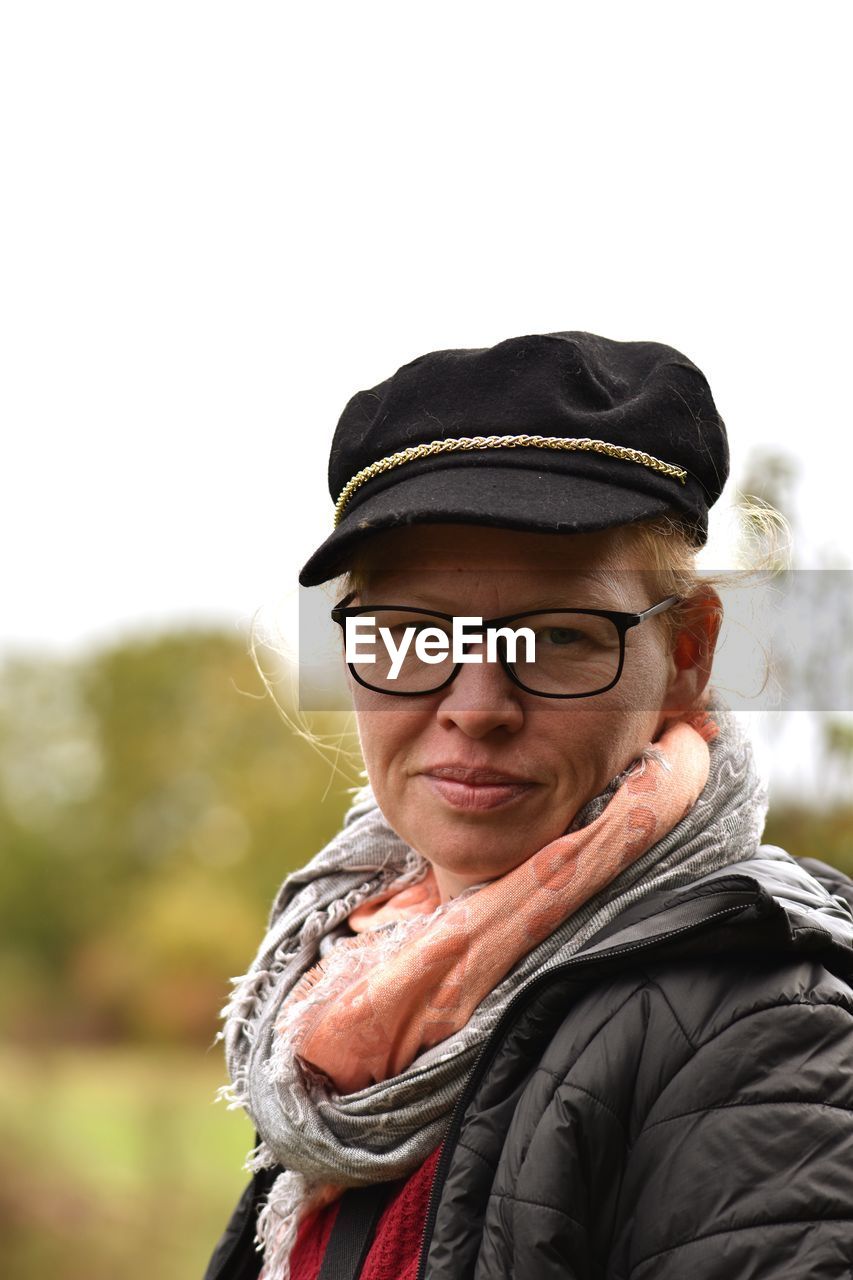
pixel 221 220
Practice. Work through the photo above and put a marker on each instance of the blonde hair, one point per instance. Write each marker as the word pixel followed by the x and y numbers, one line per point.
pixel 663 546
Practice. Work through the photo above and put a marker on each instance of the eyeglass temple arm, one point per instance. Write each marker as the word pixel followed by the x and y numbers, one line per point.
pixel 659 608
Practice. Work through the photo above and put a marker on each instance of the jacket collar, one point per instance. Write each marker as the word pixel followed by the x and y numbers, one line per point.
pixel 786 905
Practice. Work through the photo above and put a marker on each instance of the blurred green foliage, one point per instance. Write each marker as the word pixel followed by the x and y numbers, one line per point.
pixel 151 802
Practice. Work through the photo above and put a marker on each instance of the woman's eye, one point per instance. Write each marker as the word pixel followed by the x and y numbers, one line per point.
pixel 561 635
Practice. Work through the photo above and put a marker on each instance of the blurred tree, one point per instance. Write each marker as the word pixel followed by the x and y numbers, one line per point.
pixel 151 802
pixel 824 604
pixel 769 480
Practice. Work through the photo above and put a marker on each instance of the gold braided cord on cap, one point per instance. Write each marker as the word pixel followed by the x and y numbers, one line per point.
pixel 468 443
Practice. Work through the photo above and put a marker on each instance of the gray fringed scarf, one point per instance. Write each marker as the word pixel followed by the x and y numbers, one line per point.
pixel 385 1131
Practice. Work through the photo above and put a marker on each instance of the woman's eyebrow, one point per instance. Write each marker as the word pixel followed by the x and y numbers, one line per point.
pixel 591 590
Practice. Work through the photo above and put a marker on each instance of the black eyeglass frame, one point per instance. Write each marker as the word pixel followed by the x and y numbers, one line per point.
pixel 621 620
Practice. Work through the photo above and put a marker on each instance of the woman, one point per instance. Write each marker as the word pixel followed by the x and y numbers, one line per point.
pixel 545 1007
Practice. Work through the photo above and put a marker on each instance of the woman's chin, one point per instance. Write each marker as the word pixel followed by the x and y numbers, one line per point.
pixel 467 866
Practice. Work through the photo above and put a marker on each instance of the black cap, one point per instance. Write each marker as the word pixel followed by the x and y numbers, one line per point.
pixel 552 433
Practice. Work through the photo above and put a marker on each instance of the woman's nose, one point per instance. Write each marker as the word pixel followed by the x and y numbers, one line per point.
pixel 481 698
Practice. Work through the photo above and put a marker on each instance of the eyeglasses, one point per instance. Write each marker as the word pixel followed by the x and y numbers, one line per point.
pixel 556 653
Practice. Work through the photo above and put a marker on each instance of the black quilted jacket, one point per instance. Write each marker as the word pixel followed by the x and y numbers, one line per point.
pixel 674 1103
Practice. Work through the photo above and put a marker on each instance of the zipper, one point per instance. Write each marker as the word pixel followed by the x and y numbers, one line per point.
pixel 524 995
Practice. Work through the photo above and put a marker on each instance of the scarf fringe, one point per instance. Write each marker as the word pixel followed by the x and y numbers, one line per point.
pixel 291 1200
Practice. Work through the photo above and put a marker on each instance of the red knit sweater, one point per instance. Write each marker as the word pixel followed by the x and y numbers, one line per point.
pixel 396 1245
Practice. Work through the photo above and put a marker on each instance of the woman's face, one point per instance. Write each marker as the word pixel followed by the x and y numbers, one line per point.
pixel 555 754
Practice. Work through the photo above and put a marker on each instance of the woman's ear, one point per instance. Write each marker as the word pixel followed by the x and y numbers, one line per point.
pixel 692 653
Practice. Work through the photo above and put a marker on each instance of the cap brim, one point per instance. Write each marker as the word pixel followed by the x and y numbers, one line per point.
pixel 503 497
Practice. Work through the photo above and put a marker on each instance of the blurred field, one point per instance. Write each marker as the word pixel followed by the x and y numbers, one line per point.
pixel 115 1162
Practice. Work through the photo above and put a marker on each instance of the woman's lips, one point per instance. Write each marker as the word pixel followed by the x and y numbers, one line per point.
pixel 477 795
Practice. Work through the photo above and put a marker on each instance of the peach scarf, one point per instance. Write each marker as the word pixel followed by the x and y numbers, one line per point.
pixel 416 970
